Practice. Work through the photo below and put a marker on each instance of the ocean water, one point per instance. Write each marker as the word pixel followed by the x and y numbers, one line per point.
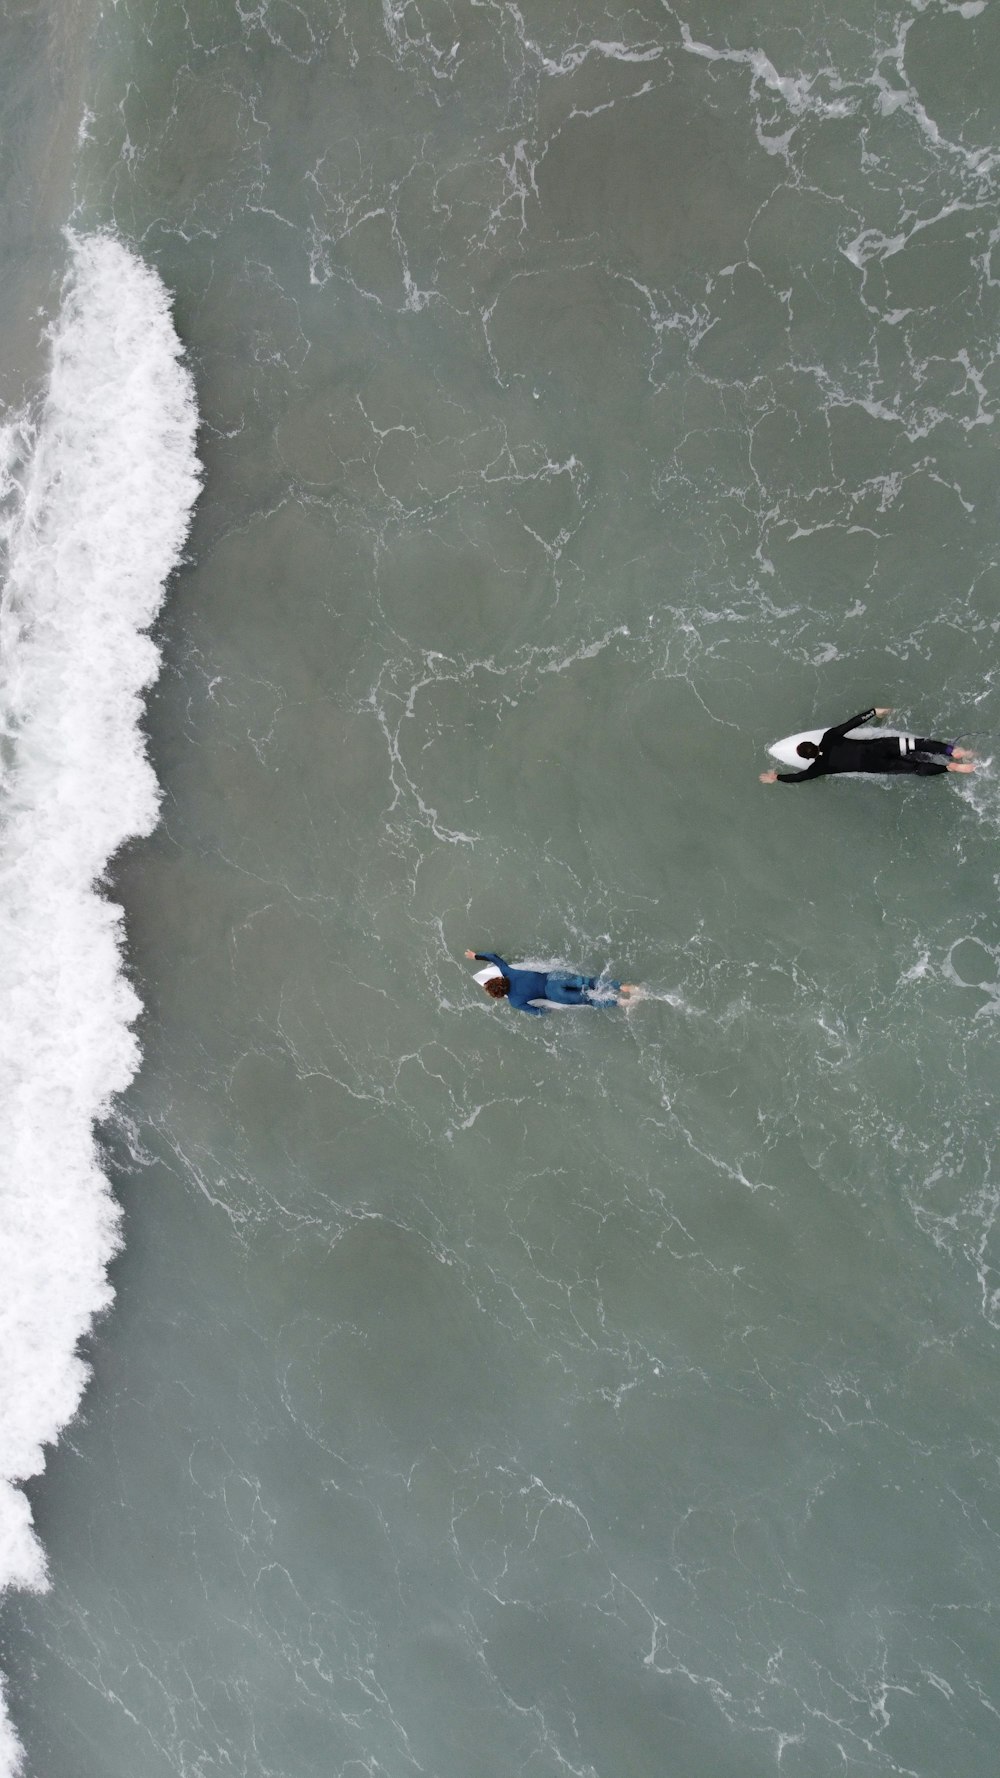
pixel 441 445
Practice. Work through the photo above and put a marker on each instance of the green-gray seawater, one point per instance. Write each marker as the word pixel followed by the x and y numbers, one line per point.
pixel 589 395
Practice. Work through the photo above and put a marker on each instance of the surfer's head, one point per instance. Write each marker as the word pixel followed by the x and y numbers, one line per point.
pixel 808 750
pixel 498 986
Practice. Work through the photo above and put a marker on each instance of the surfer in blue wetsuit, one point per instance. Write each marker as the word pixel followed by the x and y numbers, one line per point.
pixel 834 752
pixel 524 988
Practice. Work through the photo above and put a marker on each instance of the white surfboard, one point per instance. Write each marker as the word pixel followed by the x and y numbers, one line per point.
pixel 785 751
pixel 482 976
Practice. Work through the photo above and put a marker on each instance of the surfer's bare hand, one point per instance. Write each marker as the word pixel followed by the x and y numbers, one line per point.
pixel 769 777
pixel 886 712
pixel 471 954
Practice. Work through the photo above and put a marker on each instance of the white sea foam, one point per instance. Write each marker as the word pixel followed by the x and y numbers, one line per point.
pixel 96 493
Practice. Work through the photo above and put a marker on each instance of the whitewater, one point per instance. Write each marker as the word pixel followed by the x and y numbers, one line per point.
pixel 98 484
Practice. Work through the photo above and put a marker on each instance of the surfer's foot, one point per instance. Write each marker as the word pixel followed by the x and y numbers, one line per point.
pixel 627 988
pixel 962 753
pixel 953 767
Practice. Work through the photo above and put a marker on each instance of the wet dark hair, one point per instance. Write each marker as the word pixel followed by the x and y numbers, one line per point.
pixel 808 749
pixel 498 986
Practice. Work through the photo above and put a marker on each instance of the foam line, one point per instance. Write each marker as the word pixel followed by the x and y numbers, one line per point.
pixel 96 493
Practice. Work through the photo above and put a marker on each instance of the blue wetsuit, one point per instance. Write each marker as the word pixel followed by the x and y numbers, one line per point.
pixel 540 984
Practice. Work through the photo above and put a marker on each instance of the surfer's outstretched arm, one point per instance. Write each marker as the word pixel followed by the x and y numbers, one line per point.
pixel 488 957
pixel 814 770
pixel 844 728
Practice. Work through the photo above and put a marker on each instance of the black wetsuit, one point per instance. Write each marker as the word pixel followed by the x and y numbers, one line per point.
pixel 883 753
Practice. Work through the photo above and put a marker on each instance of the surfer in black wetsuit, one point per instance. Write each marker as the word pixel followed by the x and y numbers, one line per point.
pixel 834 752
